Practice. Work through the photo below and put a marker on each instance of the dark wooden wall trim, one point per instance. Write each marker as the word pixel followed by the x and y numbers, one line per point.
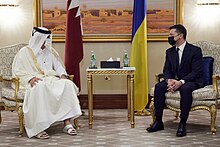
pixel 105 101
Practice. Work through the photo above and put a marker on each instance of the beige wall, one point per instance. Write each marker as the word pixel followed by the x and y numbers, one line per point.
pixel 17 26
pixel 203 23
pixel 199 28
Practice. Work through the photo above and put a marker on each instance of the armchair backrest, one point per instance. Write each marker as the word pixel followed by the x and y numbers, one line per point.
pixel 7 55
pixel 213 50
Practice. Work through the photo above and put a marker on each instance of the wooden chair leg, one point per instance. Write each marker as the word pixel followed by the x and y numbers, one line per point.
pixel 0 117
pixel 152 110
pixel 177 115
pixel 213 113
pixel 76 123
pixel 1 108
pixel 21 121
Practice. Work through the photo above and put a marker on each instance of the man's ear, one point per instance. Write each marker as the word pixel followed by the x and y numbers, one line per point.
pixel 181 35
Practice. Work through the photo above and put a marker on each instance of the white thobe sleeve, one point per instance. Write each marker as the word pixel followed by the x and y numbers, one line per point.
pixel 19 69
pixel 58 67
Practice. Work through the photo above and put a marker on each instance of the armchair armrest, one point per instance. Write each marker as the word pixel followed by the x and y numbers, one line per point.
pixel 158 77
pixel 70 77
pixel 10 79
pixel 215 79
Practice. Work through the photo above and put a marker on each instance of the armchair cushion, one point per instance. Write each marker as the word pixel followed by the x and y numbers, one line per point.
pixel 9 93
pixel 205 93
pixel 207 70
pixel 176 104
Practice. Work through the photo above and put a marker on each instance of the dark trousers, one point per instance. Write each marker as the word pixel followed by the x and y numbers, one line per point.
pixel 185 98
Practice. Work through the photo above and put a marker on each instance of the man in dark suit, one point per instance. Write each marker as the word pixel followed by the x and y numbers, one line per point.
pixel 182 71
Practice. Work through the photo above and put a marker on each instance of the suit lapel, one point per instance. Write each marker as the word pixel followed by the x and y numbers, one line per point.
pixel 186 52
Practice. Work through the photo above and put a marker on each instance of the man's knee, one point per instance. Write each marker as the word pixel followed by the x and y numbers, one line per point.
pixel 68 82
pixel 161 86
pixel 186 88
pixel 40 84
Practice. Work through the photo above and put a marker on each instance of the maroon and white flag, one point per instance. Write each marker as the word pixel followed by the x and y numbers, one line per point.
pixel 74 44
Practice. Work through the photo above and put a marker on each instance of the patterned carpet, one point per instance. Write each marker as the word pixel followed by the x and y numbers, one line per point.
pixel 111 128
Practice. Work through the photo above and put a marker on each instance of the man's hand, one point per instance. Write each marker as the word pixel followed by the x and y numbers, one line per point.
pixel 34 81
pixel 63 77
pixel 173 85
pixel 170 85
pixel 177 85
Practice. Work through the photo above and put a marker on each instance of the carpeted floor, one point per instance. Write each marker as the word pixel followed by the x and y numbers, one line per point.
pixel 111 128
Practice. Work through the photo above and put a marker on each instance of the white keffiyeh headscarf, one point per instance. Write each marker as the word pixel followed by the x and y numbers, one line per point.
pixel 40 36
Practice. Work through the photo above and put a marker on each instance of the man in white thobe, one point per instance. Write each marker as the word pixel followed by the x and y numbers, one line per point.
pixel 49 96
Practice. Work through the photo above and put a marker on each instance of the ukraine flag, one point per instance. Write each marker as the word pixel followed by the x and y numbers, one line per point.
pixel 138 55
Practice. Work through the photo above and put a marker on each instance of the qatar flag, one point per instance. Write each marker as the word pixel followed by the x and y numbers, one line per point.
pixel 74 44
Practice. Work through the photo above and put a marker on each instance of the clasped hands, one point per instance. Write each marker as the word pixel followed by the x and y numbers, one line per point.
pixel 173 85
pixel 35 80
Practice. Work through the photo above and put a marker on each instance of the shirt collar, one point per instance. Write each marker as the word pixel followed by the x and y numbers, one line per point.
pixel 182 46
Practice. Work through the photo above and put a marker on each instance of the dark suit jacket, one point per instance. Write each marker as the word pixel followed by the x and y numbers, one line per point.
pixel 190 68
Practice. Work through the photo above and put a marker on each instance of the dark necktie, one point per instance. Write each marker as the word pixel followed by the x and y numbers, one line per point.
pixel 177 60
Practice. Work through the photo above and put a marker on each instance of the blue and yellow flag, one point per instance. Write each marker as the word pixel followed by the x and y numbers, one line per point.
pixel 138 55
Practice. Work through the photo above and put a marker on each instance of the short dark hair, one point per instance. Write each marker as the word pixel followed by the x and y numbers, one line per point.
pixel 180 29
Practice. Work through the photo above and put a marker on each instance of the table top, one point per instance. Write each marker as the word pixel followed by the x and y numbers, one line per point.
pixel 110 69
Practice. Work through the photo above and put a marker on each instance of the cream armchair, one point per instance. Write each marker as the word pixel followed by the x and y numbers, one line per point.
pixel 12 99
pixel 206 98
